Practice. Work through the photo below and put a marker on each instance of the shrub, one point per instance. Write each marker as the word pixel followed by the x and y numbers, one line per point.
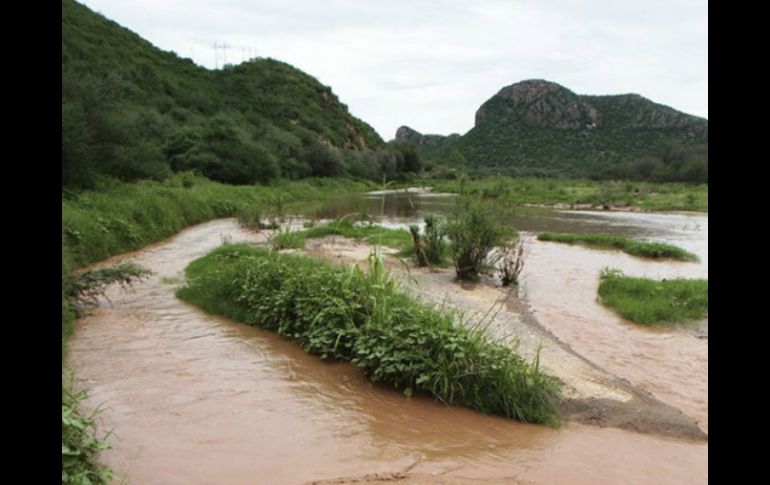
pixel 511 263
pixel 80 447
pixel 472 233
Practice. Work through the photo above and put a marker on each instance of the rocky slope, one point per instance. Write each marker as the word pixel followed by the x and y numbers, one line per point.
pixel 538 127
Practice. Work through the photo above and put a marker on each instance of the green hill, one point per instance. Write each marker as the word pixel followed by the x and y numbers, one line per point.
pixel 132 111
pixel 540 128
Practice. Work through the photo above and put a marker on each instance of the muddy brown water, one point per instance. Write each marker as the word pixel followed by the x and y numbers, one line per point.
pixel 198 399
pixel 560 283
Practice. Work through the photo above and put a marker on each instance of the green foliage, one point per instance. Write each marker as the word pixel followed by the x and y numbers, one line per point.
pixel 643 249
pixel 286 239
pixel 80 447
pixel 85 287
pixel 510 191
pixel 349 315
pixel 646 301
pixel 473 233
pixel 121 217
pixel 372 234
pixel 633 139
pixel 430 248
pixel 132 111
pixel 250 216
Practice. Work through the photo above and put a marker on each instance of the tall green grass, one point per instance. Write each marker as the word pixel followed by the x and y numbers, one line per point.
pixel 362 318
pixel 520 190
pixel 372 233
pixel 121 217
pixel 647 301
pixel 643 249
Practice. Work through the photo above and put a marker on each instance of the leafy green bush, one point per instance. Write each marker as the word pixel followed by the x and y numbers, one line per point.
pixel 80 448
pixel 473 233
pixel 429 248
pixel 349 315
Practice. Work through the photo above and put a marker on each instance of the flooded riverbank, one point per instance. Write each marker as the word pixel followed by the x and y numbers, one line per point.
pixel 198 399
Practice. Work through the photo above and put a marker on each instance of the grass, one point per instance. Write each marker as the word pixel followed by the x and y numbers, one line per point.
pixel 121 217
pixel 371 234
pixel 647 301
pixel 286 239
pixel 644 195
pixel 642 249
pixel 363 318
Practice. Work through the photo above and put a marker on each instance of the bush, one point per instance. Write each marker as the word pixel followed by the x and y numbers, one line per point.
pixel 511 261
pixel 80 447
pixel 472 233
pixel 429 248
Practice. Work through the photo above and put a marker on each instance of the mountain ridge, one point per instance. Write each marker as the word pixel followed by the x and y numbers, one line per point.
pixel 539 127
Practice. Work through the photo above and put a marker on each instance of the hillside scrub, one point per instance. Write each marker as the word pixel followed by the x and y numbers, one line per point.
pixel 647 301
pixel 653 250
pixel 346 314
pixel 134 112
pixel 537 128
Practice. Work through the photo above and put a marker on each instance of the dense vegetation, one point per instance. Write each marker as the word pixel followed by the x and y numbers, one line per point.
pixel 132 111
pixel 510 191
pixel 526 132
pixel 348 315
pixel 654 250
pixel 120 217
pixel 473 232
pixel 646 301
pixel 80 446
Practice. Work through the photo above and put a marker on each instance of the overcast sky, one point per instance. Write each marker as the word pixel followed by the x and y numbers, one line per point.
pixel 430 64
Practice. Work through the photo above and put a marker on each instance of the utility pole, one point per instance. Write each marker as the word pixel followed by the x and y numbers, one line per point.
pixel 216 59
pixel 224 53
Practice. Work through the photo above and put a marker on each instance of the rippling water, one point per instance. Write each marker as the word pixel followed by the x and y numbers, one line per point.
pixel 198 399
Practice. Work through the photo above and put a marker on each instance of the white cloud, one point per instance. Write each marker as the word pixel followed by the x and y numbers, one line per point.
pixel 430 64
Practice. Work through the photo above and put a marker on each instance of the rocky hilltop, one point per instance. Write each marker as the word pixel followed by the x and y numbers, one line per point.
pixel 538 127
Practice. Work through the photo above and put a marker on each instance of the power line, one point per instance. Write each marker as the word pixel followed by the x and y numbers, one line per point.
pixel 216 58
pixel 224 53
